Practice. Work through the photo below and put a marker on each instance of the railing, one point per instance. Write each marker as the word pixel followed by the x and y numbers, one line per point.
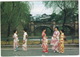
pixel 39 39
pixel 36 37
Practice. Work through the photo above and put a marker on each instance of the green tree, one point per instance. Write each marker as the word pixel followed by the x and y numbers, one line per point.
pixel 12 13
pixel 63 6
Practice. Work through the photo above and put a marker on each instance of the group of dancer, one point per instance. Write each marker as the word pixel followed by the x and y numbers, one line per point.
pixel 57 41
pixel 16 40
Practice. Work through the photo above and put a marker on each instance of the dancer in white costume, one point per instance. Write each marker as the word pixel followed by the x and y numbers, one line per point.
pixel 25 36
pixel 15 41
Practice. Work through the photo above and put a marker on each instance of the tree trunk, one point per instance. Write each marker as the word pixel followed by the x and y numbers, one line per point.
pixel 64 21
pixel 8 33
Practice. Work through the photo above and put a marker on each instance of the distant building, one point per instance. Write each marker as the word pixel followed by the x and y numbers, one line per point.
pixel 38 17
pixel 45 17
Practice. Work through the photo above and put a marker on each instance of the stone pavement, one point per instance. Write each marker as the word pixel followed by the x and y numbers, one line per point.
pixel 37 52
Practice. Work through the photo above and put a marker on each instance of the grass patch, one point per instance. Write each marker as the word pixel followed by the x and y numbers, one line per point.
pixel 30 42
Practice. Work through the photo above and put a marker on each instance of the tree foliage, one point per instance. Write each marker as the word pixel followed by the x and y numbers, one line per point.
pixel 66 8
pixel 13 14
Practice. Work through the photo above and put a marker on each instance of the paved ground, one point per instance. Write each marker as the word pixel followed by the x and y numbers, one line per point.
pixel 37 52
